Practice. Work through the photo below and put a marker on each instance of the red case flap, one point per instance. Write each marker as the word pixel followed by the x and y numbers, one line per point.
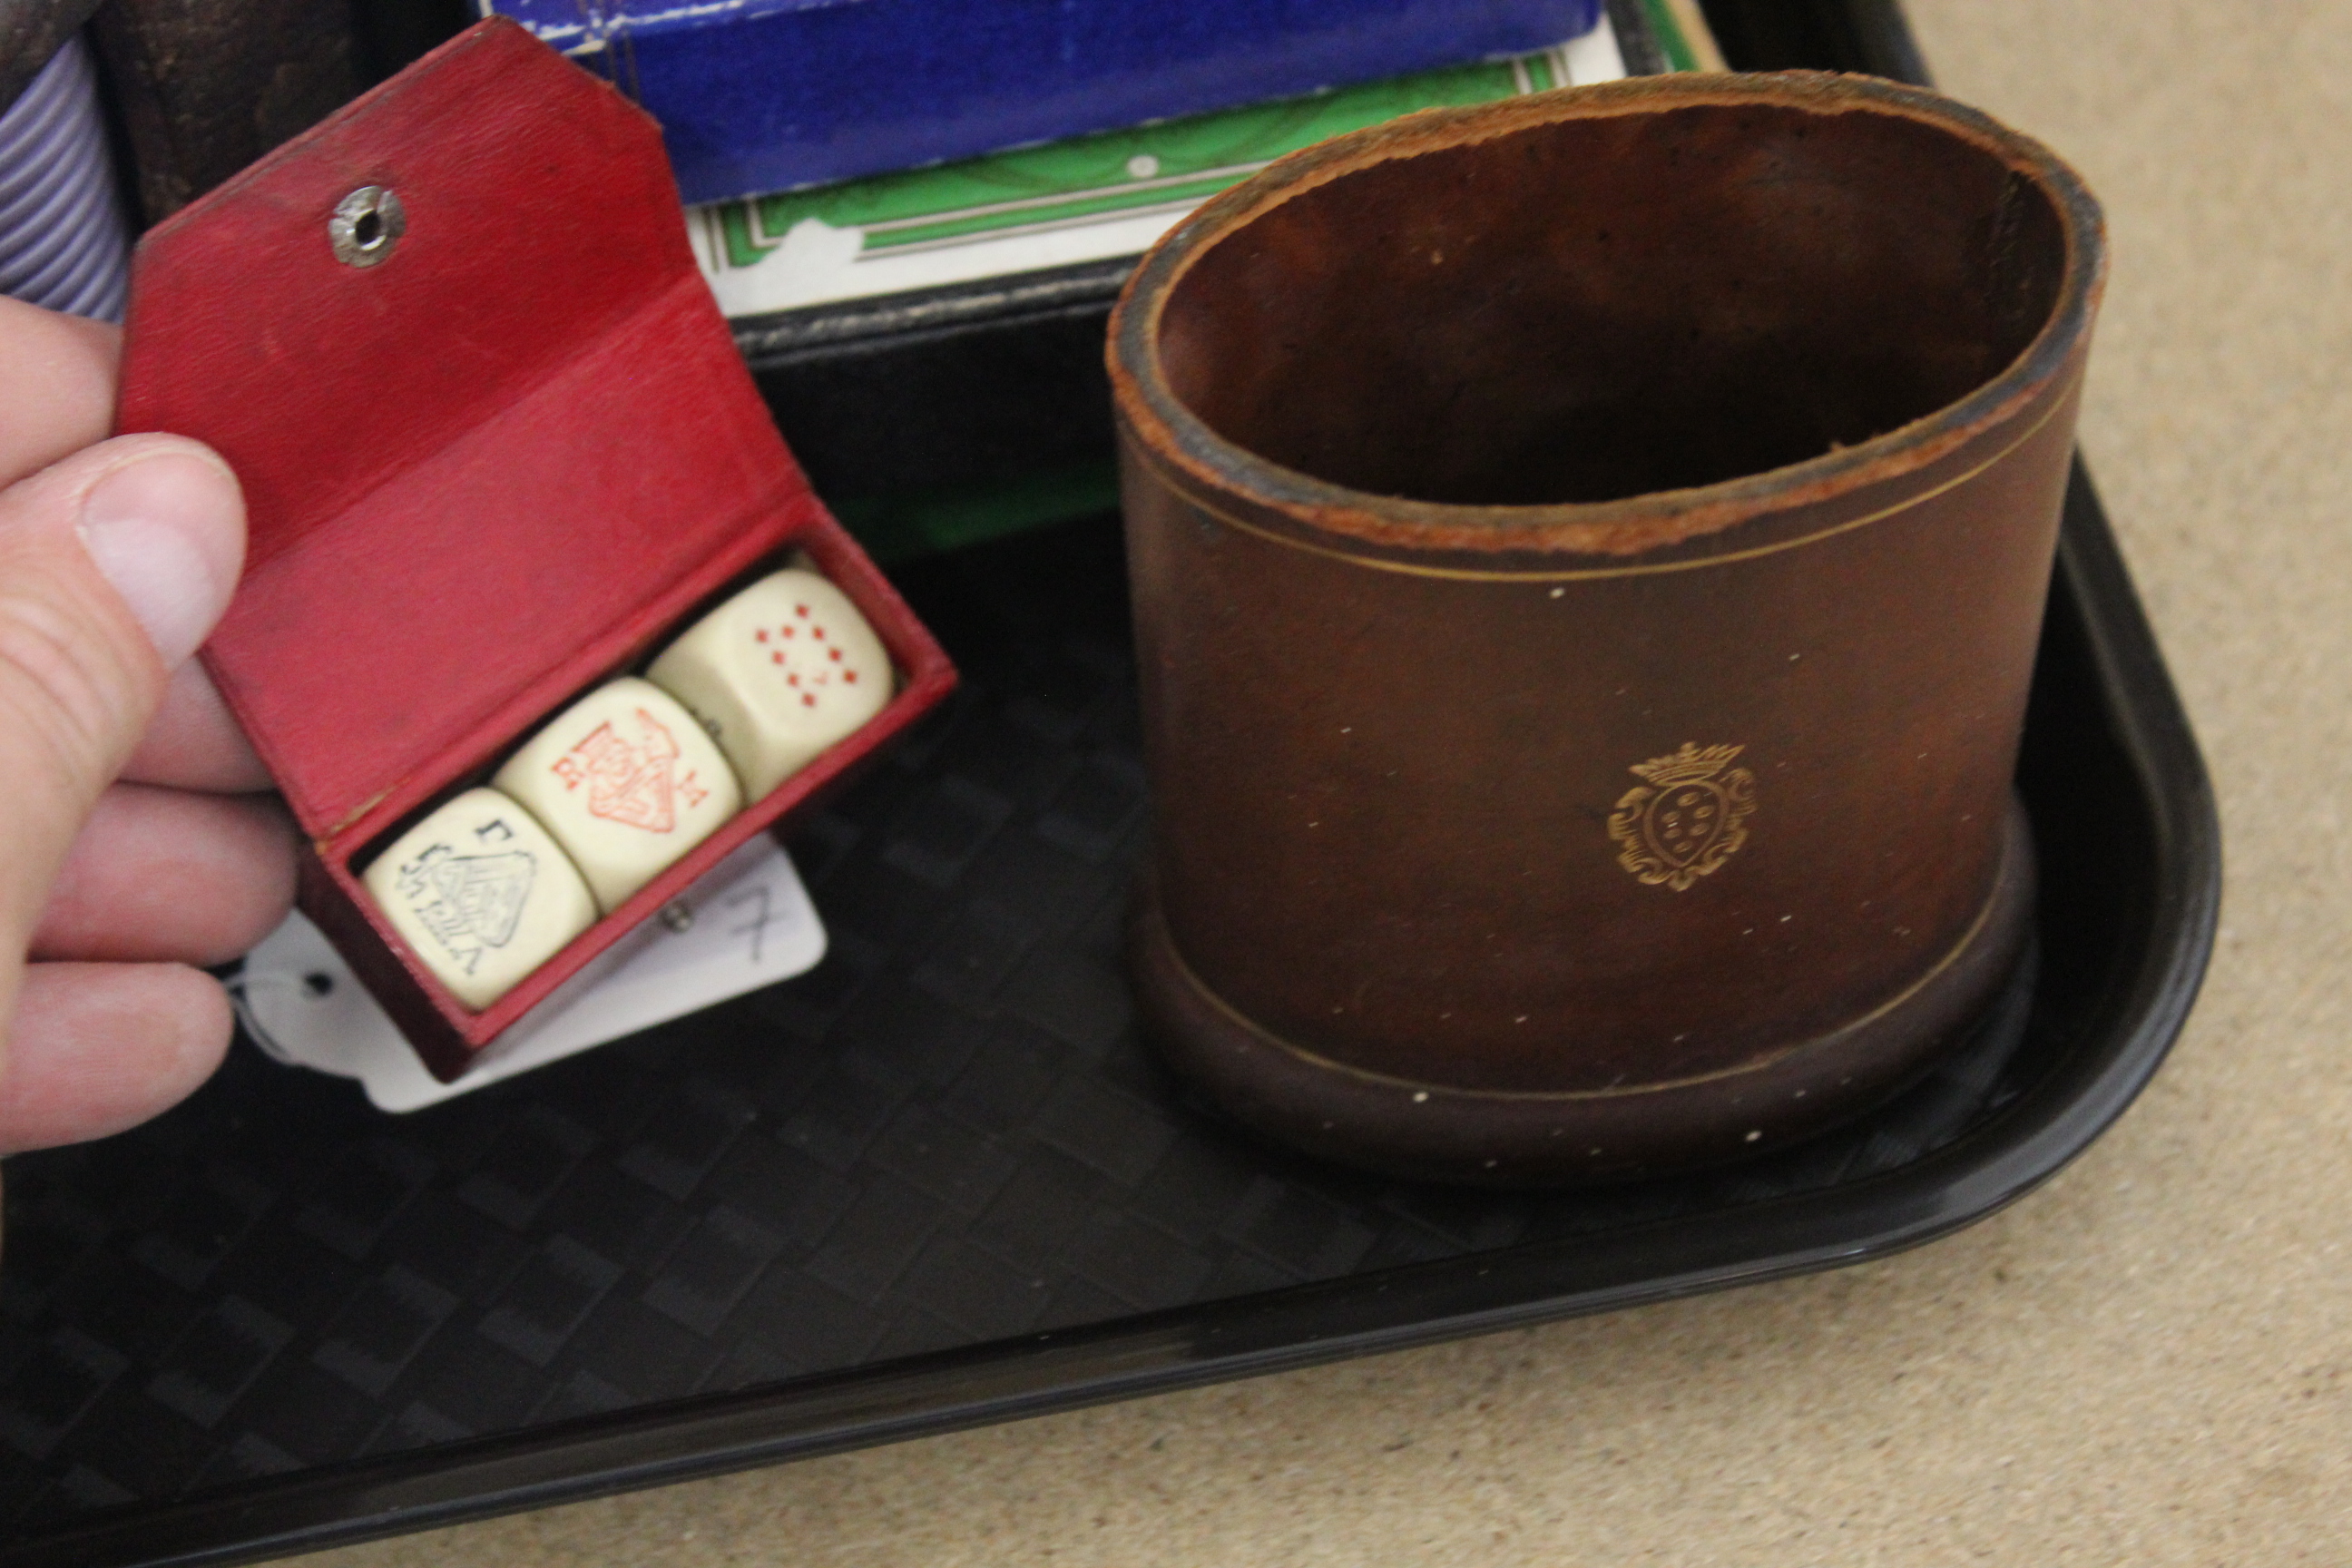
pixel 469 462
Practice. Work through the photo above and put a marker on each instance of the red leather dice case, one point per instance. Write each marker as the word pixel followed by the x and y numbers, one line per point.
pixel 498 467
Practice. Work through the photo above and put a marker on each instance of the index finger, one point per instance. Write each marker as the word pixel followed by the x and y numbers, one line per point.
pixel 56 386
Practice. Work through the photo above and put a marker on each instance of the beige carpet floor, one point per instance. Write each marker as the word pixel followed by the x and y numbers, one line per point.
pixel 2148 1362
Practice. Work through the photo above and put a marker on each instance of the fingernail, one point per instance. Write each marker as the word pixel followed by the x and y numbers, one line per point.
pixel 166 532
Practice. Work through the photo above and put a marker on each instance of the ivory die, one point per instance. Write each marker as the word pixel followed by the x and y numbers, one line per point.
pixel 777 674
pixel 481 894
pixel 626 781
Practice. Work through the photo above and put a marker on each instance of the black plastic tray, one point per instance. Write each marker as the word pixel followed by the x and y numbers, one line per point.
pixel 936 1182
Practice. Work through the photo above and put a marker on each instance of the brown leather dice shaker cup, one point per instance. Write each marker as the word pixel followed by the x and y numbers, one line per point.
pixel 1588 554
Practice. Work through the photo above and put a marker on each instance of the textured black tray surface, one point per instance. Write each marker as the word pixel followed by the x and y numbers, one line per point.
pixel 944 1136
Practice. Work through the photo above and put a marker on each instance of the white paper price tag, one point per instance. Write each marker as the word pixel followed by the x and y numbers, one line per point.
pixel 748 922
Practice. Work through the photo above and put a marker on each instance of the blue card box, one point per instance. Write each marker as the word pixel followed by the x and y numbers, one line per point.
pixel 756 96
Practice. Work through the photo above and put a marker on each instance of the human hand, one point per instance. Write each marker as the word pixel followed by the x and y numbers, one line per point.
pixel 131 848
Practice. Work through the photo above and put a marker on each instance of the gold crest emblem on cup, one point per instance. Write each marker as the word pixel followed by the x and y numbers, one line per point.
pixel 1687 816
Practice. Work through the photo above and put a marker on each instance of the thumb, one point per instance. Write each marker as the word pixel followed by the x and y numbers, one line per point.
pixel 114 565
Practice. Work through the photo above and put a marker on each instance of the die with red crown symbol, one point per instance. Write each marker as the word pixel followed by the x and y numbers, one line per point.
pixel 626 781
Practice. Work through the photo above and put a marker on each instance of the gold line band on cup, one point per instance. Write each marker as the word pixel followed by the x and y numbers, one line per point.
pixel 1592 573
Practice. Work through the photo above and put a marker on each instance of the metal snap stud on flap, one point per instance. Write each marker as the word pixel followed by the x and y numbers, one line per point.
pixel 366 225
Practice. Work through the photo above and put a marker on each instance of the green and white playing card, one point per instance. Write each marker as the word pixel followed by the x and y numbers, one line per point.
pixel 1090 198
